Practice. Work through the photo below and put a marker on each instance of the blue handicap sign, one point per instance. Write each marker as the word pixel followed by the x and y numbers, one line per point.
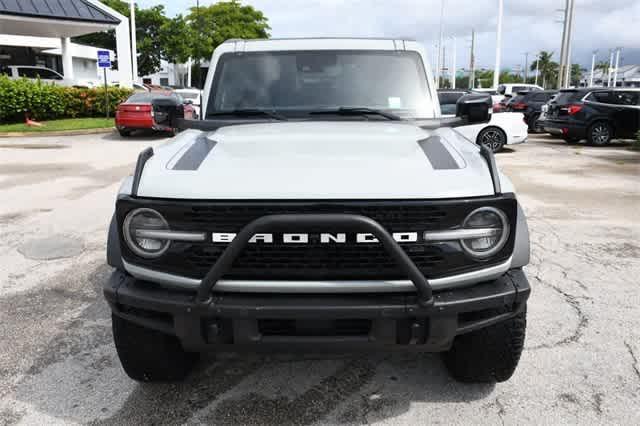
pixel 104 59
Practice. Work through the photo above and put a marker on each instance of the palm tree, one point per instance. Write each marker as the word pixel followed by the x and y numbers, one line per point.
pixel 546 67
pixel 604 66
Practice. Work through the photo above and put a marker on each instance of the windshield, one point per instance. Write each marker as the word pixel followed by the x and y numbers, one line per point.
pixel 295 83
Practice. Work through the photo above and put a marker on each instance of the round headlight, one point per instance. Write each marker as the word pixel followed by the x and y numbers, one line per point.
pixel 492 220
pixel 136 223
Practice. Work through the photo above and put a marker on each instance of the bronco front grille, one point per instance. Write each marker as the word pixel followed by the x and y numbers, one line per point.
pixel 315 261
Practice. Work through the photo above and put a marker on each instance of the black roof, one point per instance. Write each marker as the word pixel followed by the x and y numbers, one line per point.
pixel 73 10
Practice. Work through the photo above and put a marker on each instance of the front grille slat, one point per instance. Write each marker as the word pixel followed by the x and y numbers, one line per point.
pixel 315 261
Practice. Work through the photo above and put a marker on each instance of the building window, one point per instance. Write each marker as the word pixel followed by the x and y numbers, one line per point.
pixel 164 81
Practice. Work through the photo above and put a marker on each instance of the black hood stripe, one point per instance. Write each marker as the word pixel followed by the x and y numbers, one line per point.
pixel 438 154
pixel 195 155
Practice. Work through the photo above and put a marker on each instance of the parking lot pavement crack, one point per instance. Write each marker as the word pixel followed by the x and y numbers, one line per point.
pixel 634 363
pixel 574 302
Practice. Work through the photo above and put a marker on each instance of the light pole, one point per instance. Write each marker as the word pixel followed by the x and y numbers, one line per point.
pixel 615 70
pixel 537 69
pixel 593 65
pixel 496 69
pixel 567 61
pixel 610 67
pixel 453 65
pixel 134 47
pixel 439 61
pixel 564 44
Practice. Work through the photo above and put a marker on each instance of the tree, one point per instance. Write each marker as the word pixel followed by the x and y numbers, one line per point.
pixel 576 74
pixel 548 69
pixel 222 21
pixel 176 39
pixel 148 26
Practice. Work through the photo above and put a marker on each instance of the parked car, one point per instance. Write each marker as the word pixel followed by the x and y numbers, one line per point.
pixel 597 114
pixel 149 110
pixel 495 97
pixel 511 89
pixel 192 96
pixel 323 206
pixel 502 129
pixel 46 75
pixel 530 104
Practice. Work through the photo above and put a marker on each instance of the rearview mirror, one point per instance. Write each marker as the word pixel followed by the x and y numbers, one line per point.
pixel 474 108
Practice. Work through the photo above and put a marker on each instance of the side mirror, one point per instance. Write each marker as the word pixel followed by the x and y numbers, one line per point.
pixel 474 108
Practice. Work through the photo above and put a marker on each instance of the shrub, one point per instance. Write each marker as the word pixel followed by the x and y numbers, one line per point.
pixel 47 101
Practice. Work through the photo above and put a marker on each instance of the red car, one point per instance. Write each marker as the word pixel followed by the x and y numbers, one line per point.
pixel 148 110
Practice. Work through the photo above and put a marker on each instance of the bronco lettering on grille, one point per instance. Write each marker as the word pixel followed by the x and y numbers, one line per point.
pixel 323 238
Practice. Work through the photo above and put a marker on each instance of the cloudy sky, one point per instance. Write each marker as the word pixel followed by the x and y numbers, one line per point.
pixel 529 26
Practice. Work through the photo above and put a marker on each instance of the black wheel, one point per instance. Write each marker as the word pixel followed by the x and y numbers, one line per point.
pixel 490 354
pixel 493 138
pixel 599 133
pixel 124 132
pixel 534 125
pixel 148 355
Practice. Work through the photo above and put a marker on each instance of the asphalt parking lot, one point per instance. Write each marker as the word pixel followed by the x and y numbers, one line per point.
pixel 58 363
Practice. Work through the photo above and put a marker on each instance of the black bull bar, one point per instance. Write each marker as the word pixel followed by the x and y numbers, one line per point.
pixel 283 222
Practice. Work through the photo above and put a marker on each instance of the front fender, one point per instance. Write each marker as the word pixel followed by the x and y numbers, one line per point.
pixel 114 257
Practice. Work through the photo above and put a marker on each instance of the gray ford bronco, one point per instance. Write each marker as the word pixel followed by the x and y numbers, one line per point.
pixel 321 202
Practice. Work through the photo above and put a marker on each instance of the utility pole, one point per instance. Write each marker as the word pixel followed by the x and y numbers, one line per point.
pixel 134 47
pixel 444 64
pixel 496 69
pixel 567 61
pixel 472 61
pixel 610 67
pixel 593 65
pixel 439 62
pixel 537 69
pixel 615 70
pixel 453 66
pixel 526 66
pixel 564 41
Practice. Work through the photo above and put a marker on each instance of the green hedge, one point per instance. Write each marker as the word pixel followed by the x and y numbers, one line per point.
pixel 49 102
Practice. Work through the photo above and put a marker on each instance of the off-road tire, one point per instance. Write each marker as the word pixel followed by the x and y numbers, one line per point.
pixel 600 133
pixel 488 355
pixel 148 355
pixel 534 126
pixel 124 133
pixel 493 138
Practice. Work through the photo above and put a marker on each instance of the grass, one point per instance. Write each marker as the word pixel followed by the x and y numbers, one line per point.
pixel 57 125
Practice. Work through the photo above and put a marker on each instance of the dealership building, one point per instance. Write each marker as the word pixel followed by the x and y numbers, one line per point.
pixel 39 33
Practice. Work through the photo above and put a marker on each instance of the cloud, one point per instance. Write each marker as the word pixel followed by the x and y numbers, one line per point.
pixel 528 25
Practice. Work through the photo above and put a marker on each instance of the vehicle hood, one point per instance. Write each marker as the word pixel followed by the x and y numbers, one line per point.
pixel 317 160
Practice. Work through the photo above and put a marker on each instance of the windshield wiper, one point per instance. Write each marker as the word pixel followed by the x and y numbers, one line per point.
pixel 356 111
pixel 248 112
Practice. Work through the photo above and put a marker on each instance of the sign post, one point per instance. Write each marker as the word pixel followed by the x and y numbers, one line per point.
pixel 104 62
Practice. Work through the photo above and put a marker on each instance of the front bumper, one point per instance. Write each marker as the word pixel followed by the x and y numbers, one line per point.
pixel 324 321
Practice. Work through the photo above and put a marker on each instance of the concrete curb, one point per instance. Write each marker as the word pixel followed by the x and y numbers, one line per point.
pixel 58 132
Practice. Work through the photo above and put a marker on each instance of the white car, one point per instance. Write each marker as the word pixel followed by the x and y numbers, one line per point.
pixel 322 203
pixel 506 128
pixel 192 96
pixel 511 89
pixel 46 75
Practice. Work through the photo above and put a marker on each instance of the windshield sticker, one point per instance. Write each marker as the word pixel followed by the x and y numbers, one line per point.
pixel 394 102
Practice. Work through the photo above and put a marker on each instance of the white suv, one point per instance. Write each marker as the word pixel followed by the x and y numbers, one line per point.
pixel 322 201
